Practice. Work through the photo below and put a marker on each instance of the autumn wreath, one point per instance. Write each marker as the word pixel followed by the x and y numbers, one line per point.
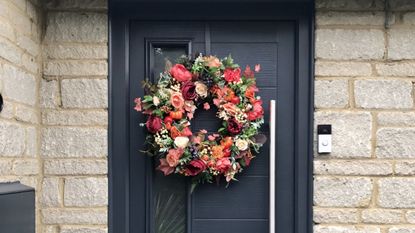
pixel 200 83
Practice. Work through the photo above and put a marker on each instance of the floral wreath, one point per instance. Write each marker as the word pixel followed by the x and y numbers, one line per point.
pixel 171 103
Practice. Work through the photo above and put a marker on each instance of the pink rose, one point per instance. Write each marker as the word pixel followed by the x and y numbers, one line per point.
pixel 195 167
pixel 180 73
pixel 165 168
pixel 177 100
pixel 223 164
pixel 173 157
pixel 154 124
pixel 232 75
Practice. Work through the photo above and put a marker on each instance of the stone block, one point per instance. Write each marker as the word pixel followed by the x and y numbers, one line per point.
pixel 77 5
pixel 334 215
pixel 74 216
pixel 382 216
pixel 89 191
pixel 74 117
pixel 346 229
pixel 395 143
pixel 396 193
pixel 12 139
pixel 350 18
pixel 76 27
pixel 401 44
pixel 396 69
pixel 342 191
pixel 50 196
pixel 405 167
pixel 383 94
pixel 352 5
pixel 351 132
pixel 26 167
pixel 80 229
pixel 342 69
pixel 49 97
pixel 345 44
pixel 67 142
pixel 331 93
pixel 78 51
pixel 75 167
pixel 18 85
pixel 352 167
pixel 84 93
pixel 396 119
pixel 75 68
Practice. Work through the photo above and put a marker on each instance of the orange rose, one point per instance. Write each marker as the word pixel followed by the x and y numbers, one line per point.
pixel 229 94
pixel 176 115
pixel 250 92
pixel 173 157
pixel 226 142
pixel 217 152
pixel 177 100
pixel 174 132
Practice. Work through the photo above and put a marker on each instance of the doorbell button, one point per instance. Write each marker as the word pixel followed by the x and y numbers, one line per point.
pixel 324 139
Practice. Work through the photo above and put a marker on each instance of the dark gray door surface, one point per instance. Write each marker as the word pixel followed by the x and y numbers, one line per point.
pixel 277 36
pixel 244 206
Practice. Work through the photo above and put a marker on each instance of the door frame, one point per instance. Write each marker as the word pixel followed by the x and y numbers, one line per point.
pixel 122 12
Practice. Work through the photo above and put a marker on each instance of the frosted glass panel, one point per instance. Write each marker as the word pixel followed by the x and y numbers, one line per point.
pixel 169 192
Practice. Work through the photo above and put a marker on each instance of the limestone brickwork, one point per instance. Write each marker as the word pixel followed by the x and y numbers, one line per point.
pixel 364 87
pixel 20 75
pixel 74 102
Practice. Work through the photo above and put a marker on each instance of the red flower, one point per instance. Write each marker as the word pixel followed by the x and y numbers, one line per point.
pixel 180 73
pixel 232 75
pixel 153 124
pixel 189 91
pixel 234 127
pixel 257 111
pixel 195 167
pixel 223 164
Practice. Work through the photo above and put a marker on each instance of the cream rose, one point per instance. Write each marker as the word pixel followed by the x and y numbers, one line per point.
pixel 201 89
pixel 241 144
pixel 181 142
pixel 156 101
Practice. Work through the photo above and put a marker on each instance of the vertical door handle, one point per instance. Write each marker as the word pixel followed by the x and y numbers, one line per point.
pixel 272 125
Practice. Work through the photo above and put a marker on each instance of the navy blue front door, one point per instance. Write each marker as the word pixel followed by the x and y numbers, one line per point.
pixel 152 203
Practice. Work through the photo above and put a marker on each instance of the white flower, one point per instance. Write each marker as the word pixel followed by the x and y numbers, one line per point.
pixel 241 144
pixel 201 89
pixel 181 142
pixel 156 101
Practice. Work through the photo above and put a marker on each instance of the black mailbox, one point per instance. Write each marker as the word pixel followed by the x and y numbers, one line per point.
pixel 17 208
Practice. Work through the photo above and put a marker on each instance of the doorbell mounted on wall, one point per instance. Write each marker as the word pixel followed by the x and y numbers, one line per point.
pixel 324 139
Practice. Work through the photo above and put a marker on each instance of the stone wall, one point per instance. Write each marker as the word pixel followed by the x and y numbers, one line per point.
pixel 20 74
pixel 365 75
pixel 73 105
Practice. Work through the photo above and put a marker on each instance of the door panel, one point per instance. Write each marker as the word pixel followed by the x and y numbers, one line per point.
pixel 243 206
